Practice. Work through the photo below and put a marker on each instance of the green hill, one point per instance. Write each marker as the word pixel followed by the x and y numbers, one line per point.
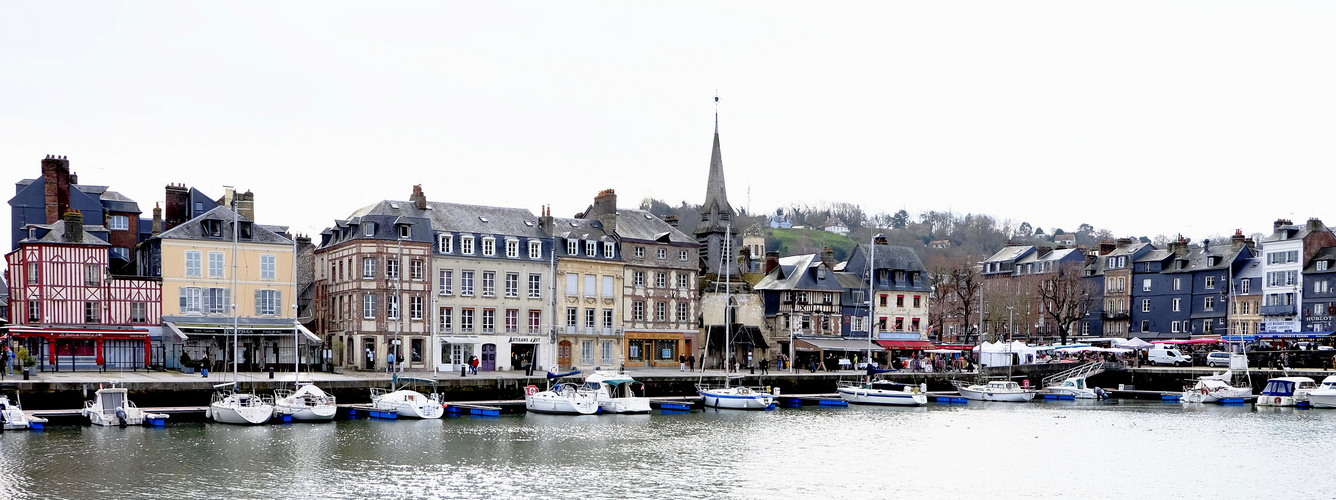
pixel 801 241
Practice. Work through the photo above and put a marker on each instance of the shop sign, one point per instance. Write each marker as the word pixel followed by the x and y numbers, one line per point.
pixel 525 340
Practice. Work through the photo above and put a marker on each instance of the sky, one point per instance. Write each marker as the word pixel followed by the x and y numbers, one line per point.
pixel 1142 117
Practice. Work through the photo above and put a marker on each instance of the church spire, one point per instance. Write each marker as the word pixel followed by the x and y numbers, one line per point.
pixel 716 204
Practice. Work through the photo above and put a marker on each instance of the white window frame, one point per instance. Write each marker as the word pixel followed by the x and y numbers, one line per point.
pixel 512 249
pixel 415 308
pixel 1177 304
pixel 268 266
pixel 489 283
pixel 512 285
pixel 609 249
pixel 268 302
pixel 683 281
pixel 683 256
pixel 609 283
pixel 572 247
pixel 118 223
pixel 445 282
pixel 405 231
pixel 535 286
pixel 590 284
pixel 1145 284
pixel 466 245
pixel 591 248
pixel 1210 282
pixel 369 229
pixel 640 252
pixel 466 283
pixel 445 243
pixel 663 253
pixel 535 249
pixel 661 280
pixel 489 246
pixel 369 306
pixel 445 319
pixel 1145 305
pixel 368 268
pixel 1208 304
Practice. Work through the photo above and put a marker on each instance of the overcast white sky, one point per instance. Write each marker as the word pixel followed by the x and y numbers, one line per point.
pixel 1141 117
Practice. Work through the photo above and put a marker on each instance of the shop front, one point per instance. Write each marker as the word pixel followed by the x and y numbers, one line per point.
pixel 74 349
pixel 837 353
pixel 455 352
pixel 258 347
pixel 524 353
pixel 653 349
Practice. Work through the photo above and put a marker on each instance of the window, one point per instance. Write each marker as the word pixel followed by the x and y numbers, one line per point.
pixel 607 321
pixel 661 280
pixel 139 312
pixel 1210 282
pixel 416 269
pixel 446 319
pixel 1208 304
pixel 405 231
pixel 1282 257
pixel 369 306
pixel 589 283
pixel 572 284
pixel 682 281
pixel 587 351
pixel 218 300
pixel 1173 326
pixel 1145 325
pixel 466 320
pixel 535 250
pixel 512 285
pixel 639 278
pixel 489 246
pixel 489 321
pixel 370 229
pixel 591 249
pixel 192 300
pixel 1244 285
pixel 918 301
pixel 268 266
pixel 589 320
pixel 682 256
pixel 1145 284
pixel 572 315
pixel 415 308
pixel 35 311
pixel 572 247
pixel 445 285
pixel 392 268
pixel 535 286
pixel 489 283
pixel 640 252
pixel 1178 283
pixel 638 311
pixel 681 312
pixel 512 320
pixel 392 306
pixel 92 275
pixel 608 356
pixel 1206 326
pixel 1321 265
pixel 660 311
pixel 91 313
pixel 32 272
pixel 1319 309
pixel 1145 306
pixel 466 283
pixel 609 249
pixel 268 302
pixel 466 245
pixel 368 267
pixel 445 243
pixel 213 228
pixel 513 249
pixel 192 263
pixel 663 254
pixel 118 223
pixel 899 301
pixel 1177 304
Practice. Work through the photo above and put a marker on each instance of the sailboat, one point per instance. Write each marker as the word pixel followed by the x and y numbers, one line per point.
pixel 562 398
pixel 308 403
pixel 230 406
pixel 727 396
pixel 1229 386
pixel 406 402
pixel 992 390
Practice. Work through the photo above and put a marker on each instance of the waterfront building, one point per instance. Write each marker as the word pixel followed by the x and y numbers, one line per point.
pixel 1286 251
pixel 107 215
pixel 218 261
pixel 1026 315
pixel 1118 285
pixel 1319 299
pixel 67 307
pixel 372 282
pixel 900 296
pixel 1245 312
pixel 492 287
pixel 659 300
pixel 1211 267
pixel 1161 294
pixel 589 292
pixel 1093 323
pixel 803 304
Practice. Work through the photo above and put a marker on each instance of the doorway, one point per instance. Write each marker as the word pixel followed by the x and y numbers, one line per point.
pixel 488 361
pixel 564 353
pixel 369 349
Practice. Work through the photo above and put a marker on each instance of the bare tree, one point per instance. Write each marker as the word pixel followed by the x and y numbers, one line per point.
pixel 942 309
pixel 966 282
pixel 1065 297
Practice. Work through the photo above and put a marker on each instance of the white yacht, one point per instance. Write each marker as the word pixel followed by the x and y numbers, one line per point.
pixel 883 392
pixel 307 404
pixel 231 407
pixel 408 403
pixel 1215 389
pixel 1325 396
pixel 996 390
pixel 735 398
pixel 112 406
pixel 563 399
pixel 14 418
pixel 614 393
pixel 1074 387
pixel 1286 391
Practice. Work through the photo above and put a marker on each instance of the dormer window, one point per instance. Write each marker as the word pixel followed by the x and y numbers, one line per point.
pixel 213 228
pixel 535 250
pixel 245 229
pixel 489 246
pixel 466 245
pixel 445 243
pixel 572 247
pixel 1213 261
pixel 609 249
pixel 1321 265
pixel 591 248
pixel 370 228
pixel 405 231
pixel 512 248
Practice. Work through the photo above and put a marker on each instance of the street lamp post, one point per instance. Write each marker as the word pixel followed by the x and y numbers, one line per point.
pixel 1011 315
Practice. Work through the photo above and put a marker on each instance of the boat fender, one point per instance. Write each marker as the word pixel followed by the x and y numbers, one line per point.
pixel 1277 399
pixel 1203 391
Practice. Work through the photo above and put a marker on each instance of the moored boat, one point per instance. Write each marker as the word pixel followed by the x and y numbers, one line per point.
pixel 1324 396
pixel 408 403
pixel 1075 387
pixel 996 390
pixel 561 399
pixel 14 418
pixel 112 406
pixel 307 404
pixel 614 393
pixel 231 407
pixel 883 392
pixel 1286 391
pixel 735 398
pixel 1216 388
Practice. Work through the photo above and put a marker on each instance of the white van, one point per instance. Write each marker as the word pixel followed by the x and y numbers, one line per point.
pixel 1167 356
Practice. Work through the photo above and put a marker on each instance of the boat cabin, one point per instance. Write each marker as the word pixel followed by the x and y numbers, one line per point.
pixel 1285 386
pixel 1003 385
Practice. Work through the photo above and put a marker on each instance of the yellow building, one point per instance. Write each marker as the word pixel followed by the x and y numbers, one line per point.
pixel 588 293
pixel 212 263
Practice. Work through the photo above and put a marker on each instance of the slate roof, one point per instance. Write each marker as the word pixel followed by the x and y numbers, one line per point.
pixel 56 234
pixel 800 272
pixel 193 229
pixel 580 229
pixel 117 202
pixel 891 257
pixel 1009 254
pixel 1327 254
pixel 641 225
pixel 459 217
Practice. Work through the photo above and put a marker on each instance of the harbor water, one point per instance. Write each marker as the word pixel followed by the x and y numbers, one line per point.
pixel 1117 449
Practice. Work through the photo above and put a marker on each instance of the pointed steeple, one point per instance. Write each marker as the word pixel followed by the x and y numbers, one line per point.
pixel 716 204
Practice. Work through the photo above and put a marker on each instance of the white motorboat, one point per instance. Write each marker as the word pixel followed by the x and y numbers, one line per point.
pixel 231 407
pixel 1324 396
pixel 1074 387
pixel 883 392
pixel 996 390
pixel 563 399
pixel 307 404
pixel 1286 391
pixel 407 403
pixel 736 398
pixel 112 406
pixel 15 419
pixel 1215 389
pixel 614 393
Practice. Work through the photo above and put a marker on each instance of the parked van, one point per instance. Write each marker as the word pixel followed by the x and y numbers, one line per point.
pixel 1167 356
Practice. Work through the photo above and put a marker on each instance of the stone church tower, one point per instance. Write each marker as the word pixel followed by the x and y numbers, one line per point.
pixel 715 233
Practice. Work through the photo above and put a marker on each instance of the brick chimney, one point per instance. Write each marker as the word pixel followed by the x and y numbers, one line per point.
pixel 419 200
pixel 245 203
pixel 74 226
pixel 771 261
pixel 1237 241
pixel 1107 247
pixel 56 183
pixel 1275 226
pixel 545 220
pixel 157 219
pixel 177 212
pixel 1179 247
pixel 828 257
pixel 1124 242
pixel 1315 225
pixel 605 209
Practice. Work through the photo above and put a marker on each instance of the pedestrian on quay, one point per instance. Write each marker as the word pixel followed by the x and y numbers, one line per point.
pixel 204 366
pixel 681 362
pixel 691 361
pixel 389 367
pixel 765 366
pixel 473 364
pixel 4 358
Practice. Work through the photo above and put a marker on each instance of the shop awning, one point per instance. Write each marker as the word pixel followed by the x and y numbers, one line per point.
pixel 905 344
pixel 742 335
pixel 1278 336
pixel 1163 335
pixel 75 333
pixel 185 332
pixel 842 345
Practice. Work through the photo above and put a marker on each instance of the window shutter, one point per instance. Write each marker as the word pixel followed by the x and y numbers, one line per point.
pixel 183 298
pixel 227 300
pixel 257 302
pixel 278 302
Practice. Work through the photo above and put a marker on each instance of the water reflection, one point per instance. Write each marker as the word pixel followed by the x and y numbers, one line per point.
pixel 933 451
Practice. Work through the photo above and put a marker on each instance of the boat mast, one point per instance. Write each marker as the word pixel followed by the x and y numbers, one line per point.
pixel 724 267
pixel 236 222
pixel 871 291
pixel 296 342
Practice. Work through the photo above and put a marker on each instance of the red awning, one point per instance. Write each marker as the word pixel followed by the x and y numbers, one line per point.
pixel 955 347
pixel 905 344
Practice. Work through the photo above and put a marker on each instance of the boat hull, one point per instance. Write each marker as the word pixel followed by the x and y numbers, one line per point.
pixel 733 400
pixel 878 397
pixel 1265 400
pixel 987 395
pixel 549 402
pixel 240 415
pixel 624 405
pixel 1322 399
pixel 321 413
pixel 1072 393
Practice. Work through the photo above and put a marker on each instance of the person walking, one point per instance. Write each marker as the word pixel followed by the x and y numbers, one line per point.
pixel 389 367
pixel 765 366
pixel 691 361
pixel 473 364
pixel 681 362
pixel 204 366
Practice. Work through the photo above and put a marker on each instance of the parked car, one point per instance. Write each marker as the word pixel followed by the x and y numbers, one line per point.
pixel 1218 358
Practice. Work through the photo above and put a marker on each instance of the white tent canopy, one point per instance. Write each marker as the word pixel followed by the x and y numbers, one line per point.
pixel 1134 343
pixel 1003 354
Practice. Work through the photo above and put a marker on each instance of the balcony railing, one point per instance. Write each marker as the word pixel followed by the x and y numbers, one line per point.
pixel 1278 310
pixel 1117 314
